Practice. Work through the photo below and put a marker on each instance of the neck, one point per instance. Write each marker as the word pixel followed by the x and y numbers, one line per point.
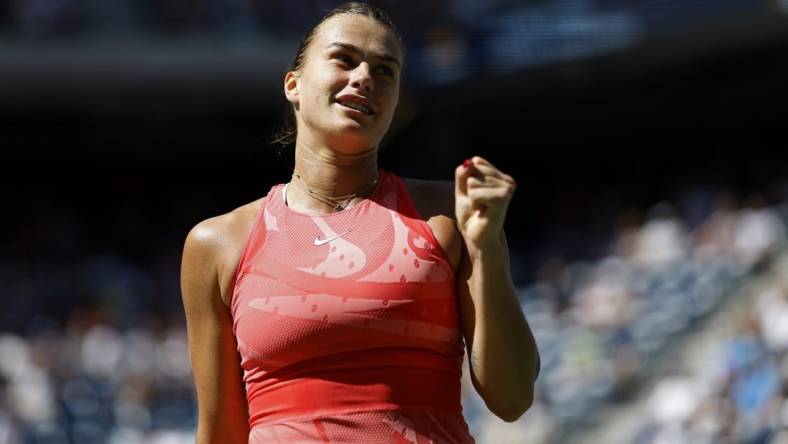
pixel 331 174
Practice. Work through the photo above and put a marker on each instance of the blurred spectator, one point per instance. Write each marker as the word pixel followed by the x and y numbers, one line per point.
pixel 623 310
pixel 742 395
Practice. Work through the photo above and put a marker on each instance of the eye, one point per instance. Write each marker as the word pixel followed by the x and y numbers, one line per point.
pixel 345 59
pixel 385 70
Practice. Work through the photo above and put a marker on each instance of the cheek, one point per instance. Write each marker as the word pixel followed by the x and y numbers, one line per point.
pixel 391 96
pixel 395 94
pixel 324 87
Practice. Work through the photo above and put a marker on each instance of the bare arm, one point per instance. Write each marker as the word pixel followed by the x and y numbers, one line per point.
pixel 504 359
pixel 221 398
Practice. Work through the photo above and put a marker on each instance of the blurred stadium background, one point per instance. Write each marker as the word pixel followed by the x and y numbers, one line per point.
pixel 647 233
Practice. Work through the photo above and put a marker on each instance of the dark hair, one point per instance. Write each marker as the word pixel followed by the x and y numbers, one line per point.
pixel 286 134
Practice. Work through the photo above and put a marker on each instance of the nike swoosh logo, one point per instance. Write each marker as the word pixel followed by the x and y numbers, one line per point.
pixel 321 242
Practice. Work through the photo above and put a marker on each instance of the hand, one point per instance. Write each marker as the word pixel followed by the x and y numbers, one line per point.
pixel 481 198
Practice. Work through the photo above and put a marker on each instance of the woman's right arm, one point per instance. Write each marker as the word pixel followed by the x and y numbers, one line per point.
pixel 221 398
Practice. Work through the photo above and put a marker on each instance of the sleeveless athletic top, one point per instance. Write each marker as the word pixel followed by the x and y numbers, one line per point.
pixel 347 325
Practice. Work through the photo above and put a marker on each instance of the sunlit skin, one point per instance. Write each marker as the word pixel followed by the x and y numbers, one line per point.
pixel 336 154
pixel 355 58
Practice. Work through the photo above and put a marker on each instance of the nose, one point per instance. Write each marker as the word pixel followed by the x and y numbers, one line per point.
pixel 362 77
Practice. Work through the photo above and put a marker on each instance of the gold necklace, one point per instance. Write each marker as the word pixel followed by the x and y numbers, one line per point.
pixel 339 203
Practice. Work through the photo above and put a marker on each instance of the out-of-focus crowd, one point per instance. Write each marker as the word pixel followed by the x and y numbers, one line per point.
pixel 446 41
pixel 93 377
pixel 242 18
pixel 94 383
pixel 603 326
pixel 738 392
pixel 117 369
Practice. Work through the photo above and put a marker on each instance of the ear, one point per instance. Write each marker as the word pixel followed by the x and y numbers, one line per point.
pixel 291 87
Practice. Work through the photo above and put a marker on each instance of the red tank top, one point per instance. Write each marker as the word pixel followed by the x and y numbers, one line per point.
pixel 347 325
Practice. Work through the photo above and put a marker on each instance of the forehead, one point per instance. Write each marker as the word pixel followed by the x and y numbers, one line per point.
pixel 361 31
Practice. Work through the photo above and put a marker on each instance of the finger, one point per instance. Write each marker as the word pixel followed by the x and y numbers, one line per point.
pixel 490 182
pixel 479 160
pixel 493 172
pixel 461 175
pixel 488 169
pixel 489 196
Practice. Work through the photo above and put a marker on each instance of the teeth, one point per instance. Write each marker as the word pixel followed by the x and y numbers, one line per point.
pixel 357 106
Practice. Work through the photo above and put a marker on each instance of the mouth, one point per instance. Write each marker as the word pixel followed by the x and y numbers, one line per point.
pixel 356 104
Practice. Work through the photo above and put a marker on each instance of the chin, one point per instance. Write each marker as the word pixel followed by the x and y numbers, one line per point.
pixel 354 138
pixel 351 139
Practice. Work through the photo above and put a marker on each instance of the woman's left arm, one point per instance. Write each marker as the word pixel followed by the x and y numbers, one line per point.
pixel 504 359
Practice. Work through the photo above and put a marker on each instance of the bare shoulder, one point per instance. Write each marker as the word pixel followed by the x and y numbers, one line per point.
pixel 219 232
pixel 215 244
pixel 435 201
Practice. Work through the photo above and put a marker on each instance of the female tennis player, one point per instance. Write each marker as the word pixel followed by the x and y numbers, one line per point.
pixel 337 308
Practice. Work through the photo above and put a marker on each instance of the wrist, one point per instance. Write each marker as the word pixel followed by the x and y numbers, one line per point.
pixel 489 251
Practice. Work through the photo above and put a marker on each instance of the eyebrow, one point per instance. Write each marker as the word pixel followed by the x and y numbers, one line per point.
pixel 353 48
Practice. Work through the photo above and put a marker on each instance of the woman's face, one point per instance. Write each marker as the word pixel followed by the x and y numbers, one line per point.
pixel 347 89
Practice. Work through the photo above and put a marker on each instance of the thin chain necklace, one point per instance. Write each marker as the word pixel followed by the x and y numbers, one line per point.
pixel 339 203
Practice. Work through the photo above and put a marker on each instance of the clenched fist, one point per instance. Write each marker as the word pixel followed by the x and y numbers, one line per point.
pixel 481 197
